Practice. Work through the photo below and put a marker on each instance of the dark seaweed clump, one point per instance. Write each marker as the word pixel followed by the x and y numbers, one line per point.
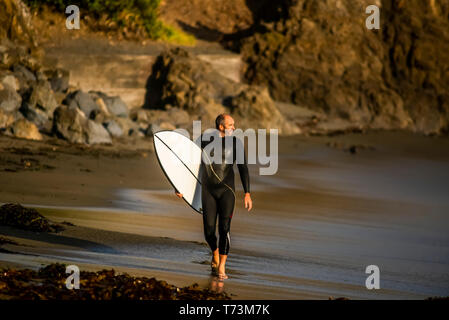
pixel 17 216
pixel 49 283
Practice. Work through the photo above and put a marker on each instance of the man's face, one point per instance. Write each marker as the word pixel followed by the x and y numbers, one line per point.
pixel 228 127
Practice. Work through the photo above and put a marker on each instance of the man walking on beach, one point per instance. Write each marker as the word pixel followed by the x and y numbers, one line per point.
pixel 218 191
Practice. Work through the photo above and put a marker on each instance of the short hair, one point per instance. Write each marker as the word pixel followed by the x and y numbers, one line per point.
pixel 220 120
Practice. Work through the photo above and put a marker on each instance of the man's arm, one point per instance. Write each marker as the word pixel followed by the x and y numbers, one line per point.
pixel 244 173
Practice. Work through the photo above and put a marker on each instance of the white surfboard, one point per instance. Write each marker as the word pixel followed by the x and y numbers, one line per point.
pixel 180 160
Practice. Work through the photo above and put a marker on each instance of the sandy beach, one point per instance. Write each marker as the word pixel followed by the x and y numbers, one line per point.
pixel 316 225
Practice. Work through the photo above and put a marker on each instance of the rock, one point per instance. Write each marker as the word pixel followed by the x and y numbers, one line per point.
pixel 71 124
pixel 115 105
pixel 25 76
pixel 99 117
pixel 166 126
pixel 35 115
pixel 42 97
pixel 140 115
pixel 136 133
pixel 255 107
pixel 9 80
pixel 10 100
pixel 188 88
pixel 25 129
pixel 103 108
pixel 59 79
pixel 179 117
pixel 113 128
pixel 152 129
pixel 96 133
pixel 128 126
pixel 184 81
pixel 208 111
pixel 82 101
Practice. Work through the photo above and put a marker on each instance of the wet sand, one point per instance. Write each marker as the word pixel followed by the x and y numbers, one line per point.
pixel 315 226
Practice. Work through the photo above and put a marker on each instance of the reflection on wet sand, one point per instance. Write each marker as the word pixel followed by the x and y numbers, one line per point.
pixel 215 284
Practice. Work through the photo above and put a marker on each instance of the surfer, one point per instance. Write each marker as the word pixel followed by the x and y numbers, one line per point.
pixel 218 193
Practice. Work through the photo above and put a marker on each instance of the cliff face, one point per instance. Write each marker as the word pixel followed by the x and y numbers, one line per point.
pixel 15 23
pixel 319 54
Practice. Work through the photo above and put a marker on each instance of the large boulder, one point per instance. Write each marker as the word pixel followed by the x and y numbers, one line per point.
pixel 184 81
pixel 96 133
pixel 83 101
pixel 188 88
pixel 39 104
pixel 42 97
pixel 71 124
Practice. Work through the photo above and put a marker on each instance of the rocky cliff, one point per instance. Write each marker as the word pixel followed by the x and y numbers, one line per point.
pixel 320 55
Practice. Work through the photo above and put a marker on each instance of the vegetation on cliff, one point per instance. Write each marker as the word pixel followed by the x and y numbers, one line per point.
pixel 135 18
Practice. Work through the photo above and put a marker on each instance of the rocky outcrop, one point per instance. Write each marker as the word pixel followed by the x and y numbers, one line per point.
pixel 15 23
pixel 71 124
pixel 320 55
pixel 179 80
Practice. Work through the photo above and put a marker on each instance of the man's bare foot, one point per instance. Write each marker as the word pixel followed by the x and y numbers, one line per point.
pixel 221 273
pixel 222 276
pixel 215 261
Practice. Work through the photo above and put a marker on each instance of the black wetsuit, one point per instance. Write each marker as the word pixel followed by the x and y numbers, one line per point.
pixel 218 191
